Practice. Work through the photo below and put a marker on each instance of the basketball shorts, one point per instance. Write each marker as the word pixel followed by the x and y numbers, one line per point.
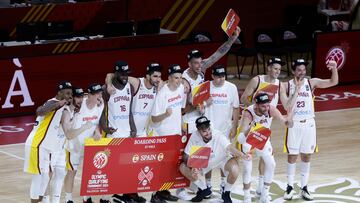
pixel 301 138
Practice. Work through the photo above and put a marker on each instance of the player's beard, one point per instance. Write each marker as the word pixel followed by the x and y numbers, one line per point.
pixel 206 140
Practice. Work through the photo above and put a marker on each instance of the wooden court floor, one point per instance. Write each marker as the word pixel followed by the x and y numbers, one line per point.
pixel 335 170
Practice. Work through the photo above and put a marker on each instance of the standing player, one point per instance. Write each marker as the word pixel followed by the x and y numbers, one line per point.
pixel 90 111
pixel 206 136
pixel 44 140
pixel 195 74
pixel 269 84
pixel 260 113
pixel 117 120
pixel 301 139
pixel 166 116
pixel 224 101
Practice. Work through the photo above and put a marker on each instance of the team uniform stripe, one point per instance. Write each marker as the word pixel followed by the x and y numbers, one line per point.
pixel 69 165
pixel 286 148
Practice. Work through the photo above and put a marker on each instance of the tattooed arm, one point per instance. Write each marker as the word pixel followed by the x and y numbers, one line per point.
pixel 222 50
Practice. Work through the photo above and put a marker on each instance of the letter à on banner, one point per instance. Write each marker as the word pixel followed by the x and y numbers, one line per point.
pixel 128 165
pixel 24 91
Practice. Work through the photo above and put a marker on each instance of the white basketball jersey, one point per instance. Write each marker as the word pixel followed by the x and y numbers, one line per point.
pixel 193 115
pixel 304 105
pixel 118 111
pixel 46 131
pixel 87 115
pixel 224 100
pixel 264 87
pixel 264 120
pixel 143 103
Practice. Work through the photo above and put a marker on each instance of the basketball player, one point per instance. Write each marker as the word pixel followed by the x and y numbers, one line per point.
pixel 90 111
pixel 224 101
pixel 260 113
pixel 301 138
pixel 269 84
pixel 207 136
pixel 146 89
pixel 166 116
pixel 195 74
pixel 45 141
pixel 117 120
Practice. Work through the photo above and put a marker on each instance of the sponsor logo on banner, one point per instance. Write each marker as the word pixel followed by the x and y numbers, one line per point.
pixel 101 159
pixel 338 54
pixel 145 176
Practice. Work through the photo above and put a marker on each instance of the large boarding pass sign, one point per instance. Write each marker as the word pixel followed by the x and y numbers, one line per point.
pixel 128 165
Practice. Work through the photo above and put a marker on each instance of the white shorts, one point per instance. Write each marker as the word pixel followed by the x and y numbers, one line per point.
pixel 39 160
pixel 301 138
pixel 73 160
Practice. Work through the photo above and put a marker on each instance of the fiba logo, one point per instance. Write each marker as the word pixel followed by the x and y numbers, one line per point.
pixel 101 159
pixel 336 54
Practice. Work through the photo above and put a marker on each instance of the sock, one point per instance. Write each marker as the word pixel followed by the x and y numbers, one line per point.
pixel 304 171
pixel 228 187
pixel 223 182
pixel 55 199
pixel 68 197
pixel 265 190
pixel 291 168
pixel 200 184
pixel 193 187
pixel 45 199
pixel 208 182
pixel 260 184
pixel 247 192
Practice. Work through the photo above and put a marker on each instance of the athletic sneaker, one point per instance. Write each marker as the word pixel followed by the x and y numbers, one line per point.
pixel 305 194
pixel 208 193
pixel 289 193
pixel 166 195
pixel 88 200
pixel 70 201
pixel 118 198
pixel 264 199
pixel 201 194
pixel 104 201
pixel 226 197
pixel 182 194
pixel 135 197
pixel 258 195
pixel 155 198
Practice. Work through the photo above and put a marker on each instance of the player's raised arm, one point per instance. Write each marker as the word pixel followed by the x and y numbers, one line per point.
pixel 325 83
pixel 220 52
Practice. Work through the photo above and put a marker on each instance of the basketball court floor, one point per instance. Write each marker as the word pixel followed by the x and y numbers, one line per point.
pixel 335 170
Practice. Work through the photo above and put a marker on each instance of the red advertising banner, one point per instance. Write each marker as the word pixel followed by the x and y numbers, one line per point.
pixel 258 136
pixel 28 82
pixel 201 93
pixel 342 47
pixel 128 165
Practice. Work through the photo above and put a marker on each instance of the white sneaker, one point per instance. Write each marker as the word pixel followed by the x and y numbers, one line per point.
pixel 289 193
pixel 247 199
pixel 183 195
pixel 258 195
pixel 265 199
pixel 305 194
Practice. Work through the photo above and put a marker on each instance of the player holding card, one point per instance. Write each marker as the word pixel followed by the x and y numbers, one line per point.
pixel 269 84
pixel 205 136
pixel 301 139
pixel 260 113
